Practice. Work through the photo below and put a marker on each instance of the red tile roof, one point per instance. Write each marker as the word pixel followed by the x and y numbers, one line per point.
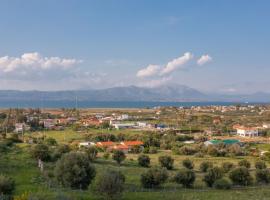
pixel 132 143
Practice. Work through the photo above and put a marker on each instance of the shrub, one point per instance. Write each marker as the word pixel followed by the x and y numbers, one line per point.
pixel 227 166
pixel 166 161
pixel 91 153
pixel 74 170
pixel 244 163
pixel 41 151
pixel 144 161
pixel 205 165
pixel 186 177
pixel 241 176
pixel 7 185
pixel 187 150
pixel 154 177
pixel 50 141
pixel 106 155
pixel 212 175
pixel 136 149
pixel 223 184
pixel 119 156
pixel 59 151
pixel 212 150
pixel 235 149
pixel 152 150
pixel 263 175
pixel 110 184
pixel 260 165
pixel 187 163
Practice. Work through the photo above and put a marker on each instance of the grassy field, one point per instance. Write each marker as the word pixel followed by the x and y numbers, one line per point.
pixel 18 164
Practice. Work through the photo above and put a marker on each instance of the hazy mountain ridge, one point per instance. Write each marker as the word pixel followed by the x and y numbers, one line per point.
pixel 176 93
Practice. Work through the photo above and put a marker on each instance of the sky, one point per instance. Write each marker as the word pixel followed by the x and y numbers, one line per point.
pixel 213 46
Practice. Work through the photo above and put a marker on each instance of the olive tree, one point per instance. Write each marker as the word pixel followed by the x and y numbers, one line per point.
pixel 74 170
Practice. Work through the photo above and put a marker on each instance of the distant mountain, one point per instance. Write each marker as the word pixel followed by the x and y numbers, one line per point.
pixel 177 93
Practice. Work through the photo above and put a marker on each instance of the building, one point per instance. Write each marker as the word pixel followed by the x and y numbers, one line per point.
pixel 246 131
pixel 123 126
pixel 132 144
pixel 105 144
pixel 19 127
pixel 86 144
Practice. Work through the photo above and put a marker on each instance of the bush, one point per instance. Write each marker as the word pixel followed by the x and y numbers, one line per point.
pixel 41 151
pixel 260 165
pixel 186 177
pixel 91 153
pixel 166 161
pixel 144 160
pixel 74 170
pixel 223 184
pixel 154 177
pixel 50 141
pixel 187 150
pixel 110 184
pixel 263 175
pixel 7 185
pixel 227 166
pixel 241 176
pixel 106 155
pixel 119 156
pixel 212 175
pixel 205 165
pixel 212 150
pixel 244 163
pixel 152 150
pixel 187 163
pixel 60 150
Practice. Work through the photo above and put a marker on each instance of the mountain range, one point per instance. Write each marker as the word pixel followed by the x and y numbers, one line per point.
pixel 173 93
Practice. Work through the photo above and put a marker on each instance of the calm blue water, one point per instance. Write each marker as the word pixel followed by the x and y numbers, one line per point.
pixel 107 104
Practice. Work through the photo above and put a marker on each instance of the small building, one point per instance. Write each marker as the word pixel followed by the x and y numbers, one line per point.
pixel 86 144
pixel 19 127
pixel 132 144
pixel 119 147
pixel 105 144
pixel 48 123
pixel 246 131
pixel 123 126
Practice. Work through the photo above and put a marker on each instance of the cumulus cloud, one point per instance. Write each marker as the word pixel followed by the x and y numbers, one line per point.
pixel 176 63
pixel 171 66
pixel 204 59
pixel 34 61
pixel 150 70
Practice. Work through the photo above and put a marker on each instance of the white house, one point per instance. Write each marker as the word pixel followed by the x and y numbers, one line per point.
pixel 86 144
pixel 123 126
pixel 246 131
pixel 19 127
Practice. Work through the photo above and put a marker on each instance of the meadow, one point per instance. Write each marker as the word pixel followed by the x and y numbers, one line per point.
pixel 18 164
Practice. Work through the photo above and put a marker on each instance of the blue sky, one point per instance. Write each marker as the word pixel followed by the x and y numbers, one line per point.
pixel 71 44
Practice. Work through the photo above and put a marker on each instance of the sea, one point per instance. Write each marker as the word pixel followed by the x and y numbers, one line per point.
pixel 110 104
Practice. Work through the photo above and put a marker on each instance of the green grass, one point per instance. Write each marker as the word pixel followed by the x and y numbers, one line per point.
pixel 18 164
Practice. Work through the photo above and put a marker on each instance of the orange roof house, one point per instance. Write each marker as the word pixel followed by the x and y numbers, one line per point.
pixel 105 144
pixel 132 143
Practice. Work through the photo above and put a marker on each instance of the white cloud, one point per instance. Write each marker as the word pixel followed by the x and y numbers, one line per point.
pixel 34 61
pixel 204 59
pixel 176 63
pixel 150 70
